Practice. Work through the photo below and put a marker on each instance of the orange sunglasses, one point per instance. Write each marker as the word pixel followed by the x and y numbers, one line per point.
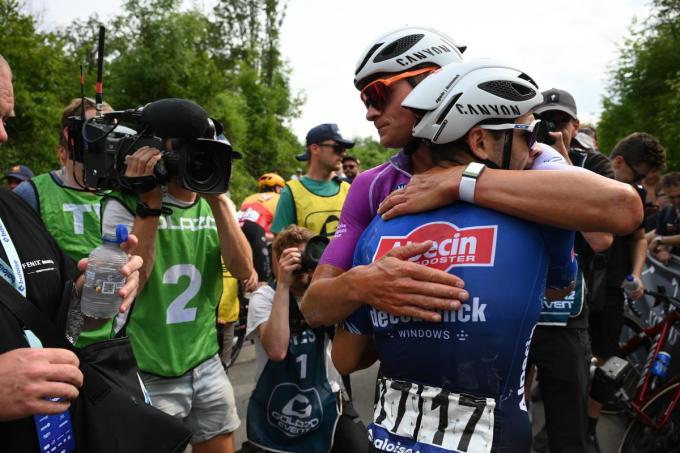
pixel 376 93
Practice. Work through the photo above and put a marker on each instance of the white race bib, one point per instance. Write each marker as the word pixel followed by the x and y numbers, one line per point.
pixel 434 416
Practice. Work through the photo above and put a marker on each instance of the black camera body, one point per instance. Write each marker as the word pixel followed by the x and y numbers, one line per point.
pixel 180 129
pixel 312 254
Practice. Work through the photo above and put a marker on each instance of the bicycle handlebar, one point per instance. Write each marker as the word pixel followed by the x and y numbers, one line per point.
pixel 664 297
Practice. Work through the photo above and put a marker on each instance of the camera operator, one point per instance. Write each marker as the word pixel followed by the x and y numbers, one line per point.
pixel 69 210
pixel 285 346
pixel 173 327
pixel 29 375
pixel 665 240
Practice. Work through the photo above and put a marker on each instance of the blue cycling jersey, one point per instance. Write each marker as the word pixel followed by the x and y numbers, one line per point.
pixel 478 353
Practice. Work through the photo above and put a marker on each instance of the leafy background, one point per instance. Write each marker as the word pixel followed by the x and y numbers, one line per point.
pixel 228 60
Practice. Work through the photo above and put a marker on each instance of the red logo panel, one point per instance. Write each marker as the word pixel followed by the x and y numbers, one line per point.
pixel 451 247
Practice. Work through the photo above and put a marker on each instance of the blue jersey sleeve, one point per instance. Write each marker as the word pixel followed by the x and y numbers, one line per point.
pixel 560 247
pixel 359 322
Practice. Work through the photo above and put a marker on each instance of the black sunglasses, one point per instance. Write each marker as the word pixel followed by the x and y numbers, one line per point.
pixel 637 176
pixel 337 148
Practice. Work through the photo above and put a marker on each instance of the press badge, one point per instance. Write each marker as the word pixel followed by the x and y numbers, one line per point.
pixel 55 432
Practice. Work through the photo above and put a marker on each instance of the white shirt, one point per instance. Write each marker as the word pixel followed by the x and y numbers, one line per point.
pixel 259 309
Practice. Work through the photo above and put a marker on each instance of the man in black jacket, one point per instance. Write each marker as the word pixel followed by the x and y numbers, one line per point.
pixel 31 261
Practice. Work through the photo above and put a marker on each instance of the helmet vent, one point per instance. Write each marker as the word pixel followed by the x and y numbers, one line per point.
pixel 368 55
pixel 528 79
pixel 398 47
pixel 507 90
pixel 447 109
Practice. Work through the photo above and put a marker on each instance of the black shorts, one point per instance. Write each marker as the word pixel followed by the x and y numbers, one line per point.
pixel 605 325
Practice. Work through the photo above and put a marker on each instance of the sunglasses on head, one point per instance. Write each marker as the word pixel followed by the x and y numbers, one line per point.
pixel 535 132
pixel 376 93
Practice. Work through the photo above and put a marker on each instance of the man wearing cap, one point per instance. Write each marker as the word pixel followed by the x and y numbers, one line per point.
pixel 315 200
pixel 350 167
pixel 560 345
pixel 16 175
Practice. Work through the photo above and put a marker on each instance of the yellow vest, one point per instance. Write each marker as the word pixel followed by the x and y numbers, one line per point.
pixel 227 310
pixel 315 212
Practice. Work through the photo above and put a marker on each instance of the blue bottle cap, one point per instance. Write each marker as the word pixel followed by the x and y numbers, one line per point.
pixel 121 233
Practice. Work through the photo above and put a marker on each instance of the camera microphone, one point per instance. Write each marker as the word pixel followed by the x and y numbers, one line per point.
pixel 176 118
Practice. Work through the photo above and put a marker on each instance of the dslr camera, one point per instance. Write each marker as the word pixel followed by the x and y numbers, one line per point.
pixel 179 128
pixel 312 254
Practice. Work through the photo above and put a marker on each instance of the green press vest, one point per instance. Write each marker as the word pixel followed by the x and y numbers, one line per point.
pixel 70 215
pixel 172 326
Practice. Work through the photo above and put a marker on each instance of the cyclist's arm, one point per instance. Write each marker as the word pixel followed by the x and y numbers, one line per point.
pixel 594 203
pixel 599 242
pixel 562 269
pixel 352 352
pixel 392 284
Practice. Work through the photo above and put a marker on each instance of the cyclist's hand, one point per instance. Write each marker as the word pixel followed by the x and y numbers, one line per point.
pixel 435 188
pixel 289 262
pixel 404 288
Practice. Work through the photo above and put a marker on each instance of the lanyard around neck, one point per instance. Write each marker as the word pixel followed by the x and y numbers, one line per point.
pixel 14 261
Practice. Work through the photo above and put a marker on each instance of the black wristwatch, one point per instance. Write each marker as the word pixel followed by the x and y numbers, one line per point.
pixel 143 211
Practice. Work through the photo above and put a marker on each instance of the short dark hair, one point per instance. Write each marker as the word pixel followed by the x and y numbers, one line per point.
pixel 73 109
pixel 352 158
pixel 641 148
pixel 671 179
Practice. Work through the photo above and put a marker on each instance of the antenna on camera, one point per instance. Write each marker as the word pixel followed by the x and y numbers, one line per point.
pixel 82 93
pixel 99 96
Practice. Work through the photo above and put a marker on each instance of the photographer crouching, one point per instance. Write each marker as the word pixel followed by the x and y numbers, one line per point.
pixel 297 403
pixel 180 213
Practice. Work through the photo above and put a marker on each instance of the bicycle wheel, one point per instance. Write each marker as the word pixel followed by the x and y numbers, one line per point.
pixel 637 358
pixel 640 438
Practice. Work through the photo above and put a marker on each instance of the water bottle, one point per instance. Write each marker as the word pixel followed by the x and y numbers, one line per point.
pixel 103 278
pixel 630 285
pixel 660 366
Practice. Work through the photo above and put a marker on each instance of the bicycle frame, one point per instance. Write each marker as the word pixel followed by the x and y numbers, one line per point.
pixel 659 333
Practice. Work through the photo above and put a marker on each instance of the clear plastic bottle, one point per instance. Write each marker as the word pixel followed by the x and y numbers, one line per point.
pixel 103 278
pixel 630 285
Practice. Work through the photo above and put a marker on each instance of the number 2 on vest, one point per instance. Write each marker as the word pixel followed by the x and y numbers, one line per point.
pixel 177 311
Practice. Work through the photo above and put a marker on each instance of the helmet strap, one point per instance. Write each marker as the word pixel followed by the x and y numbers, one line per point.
pixel 507 150
pixel 412 146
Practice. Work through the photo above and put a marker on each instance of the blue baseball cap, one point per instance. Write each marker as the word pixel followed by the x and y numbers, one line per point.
pixel 320 133
pixel 20 172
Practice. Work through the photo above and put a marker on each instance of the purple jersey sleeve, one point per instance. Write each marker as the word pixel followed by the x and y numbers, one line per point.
pixel 357 213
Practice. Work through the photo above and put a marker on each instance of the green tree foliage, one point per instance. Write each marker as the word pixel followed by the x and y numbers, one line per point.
pixel 644 90
pixel 40 92
pixel 227 60
pixel 370 152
